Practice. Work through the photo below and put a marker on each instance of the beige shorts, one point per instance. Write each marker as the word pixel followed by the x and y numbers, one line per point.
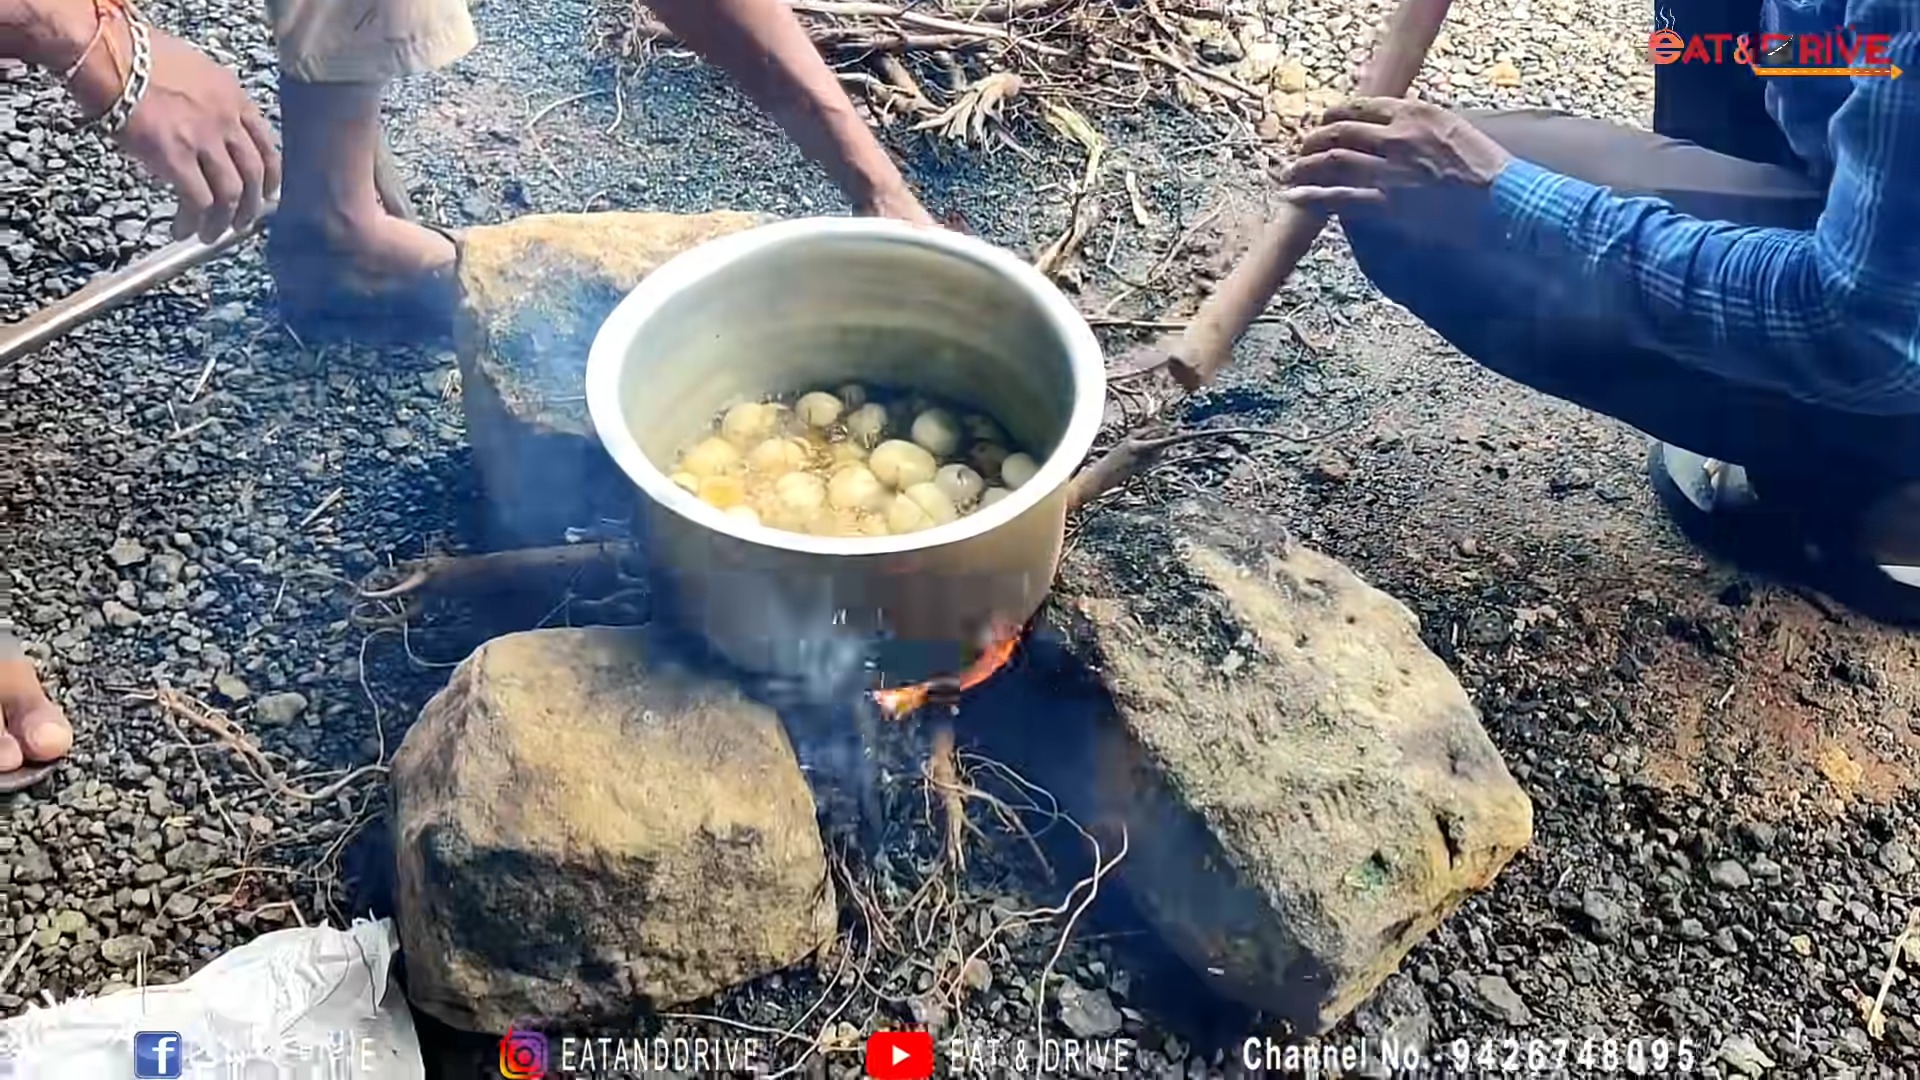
pixel 367 41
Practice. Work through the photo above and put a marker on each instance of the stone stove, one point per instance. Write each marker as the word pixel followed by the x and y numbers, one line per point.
pixel 1305 790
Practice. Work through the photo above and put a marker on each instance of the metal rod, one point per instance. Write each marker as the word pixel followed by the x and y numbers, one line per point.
pixel 109 291
pixel 103 294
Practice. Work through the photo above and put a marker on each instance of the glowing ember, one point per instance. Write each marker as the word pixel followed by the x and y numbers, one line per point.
pixel 902 701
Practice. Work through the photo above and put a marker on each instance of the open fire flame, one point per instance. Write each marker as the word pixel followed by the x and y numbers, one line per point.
pixel 1001 640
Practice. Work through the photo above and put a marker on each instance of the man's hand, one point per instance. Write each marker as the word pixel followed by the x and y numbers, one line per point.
pixel 901 205
pixel 762 44
pixel 195 129
pixel 1373 151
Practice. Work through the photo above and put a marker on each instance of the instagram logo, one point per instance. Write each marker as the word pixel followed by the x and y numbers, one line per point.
pixel 523 1055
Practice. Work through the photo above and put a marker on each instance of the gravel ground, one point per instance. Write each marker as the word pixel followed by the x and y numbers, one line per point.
pixel 1723 772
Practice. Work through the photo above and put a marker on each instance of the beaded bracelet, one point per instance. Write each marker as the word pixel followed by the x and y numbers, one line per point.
pixel 139 77
pixel 102 14
pixel 104 11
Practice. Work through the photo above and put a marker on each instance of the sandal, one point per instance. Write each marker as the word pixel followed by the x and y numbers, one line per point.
pixel 26 776
pixel 1801 535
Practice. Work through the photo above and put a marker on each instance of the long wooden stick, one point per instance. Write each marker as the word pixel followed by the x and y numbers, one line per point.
pixel 494 570
pixel 1207 345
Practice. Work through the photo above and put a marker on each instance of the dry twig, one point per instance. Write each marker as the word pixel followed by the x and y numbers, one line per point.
pixel 1139 451
pixel 1906 948
pixel 943 776
pixel 943 928
pixel 1103 50
pixel 494 571
pixel 1092 884
pixel 6 969
pixel 327 502
pixel 967 118
pixel 256 761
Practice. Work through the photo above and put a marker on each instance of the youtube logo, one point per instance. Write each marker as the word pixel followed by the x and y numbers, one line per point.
pixel 900 1055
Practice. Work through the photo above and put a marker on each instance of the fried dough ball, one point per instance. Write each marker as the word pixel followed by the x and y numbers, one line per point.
pixel 867 425
pixel 801 494
pixel 710 457
pixel 900 464
pixel 775 457
pixel 818 409
pixel 937 432
pixel 855 487
pixel 1017 470
pixel 960 484
pixel 933 502
pixel 750 422
pixel 906 516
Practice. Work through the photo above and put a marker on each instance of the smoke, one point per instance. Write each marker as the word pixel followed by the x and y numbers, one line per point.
pixel 548 481
pixel 523 365
pixel 820 694
pixel 829 714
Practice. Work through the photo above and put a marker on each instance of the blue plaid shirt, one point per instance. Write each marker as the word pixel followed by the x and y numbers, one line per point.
pixel 1831 316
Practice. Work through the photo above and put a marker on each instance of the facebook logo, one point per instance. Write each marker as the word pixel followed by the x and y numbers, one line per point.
pixel 157 1055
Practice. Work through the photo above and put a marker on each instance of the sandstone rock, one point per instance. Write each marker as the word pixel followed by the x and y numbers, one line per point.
pixel 1261 58
pixel 1307 791
pixel 534 291
pixel 584 829
pixel 1292 78
pixel 1215 43
pixel 1289 109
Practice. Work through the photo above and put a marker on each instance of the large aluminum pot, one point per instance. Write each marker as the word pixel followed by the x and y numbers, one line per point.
pixel 813 304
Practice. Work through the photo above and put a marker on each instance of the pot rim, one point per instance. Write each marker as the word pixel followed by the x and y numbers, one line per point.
pixel 607 357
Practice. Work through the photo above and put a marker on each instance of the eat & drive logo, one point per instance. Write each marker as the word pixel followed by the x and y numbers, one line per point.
pixel 1842 52
pixel 900 1055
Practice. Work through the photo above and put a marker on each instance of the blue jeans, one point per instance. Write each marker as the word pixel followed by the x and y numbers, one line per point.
pixel 1519 314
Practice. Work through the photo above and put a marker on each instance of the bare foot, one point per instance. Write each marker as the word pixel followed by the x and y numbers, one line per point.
pixel 366 249
pixel 373 279
pixel 34 733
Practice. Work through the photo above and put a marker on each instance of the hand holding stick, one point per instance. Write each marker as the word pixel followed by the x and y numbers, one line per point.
pixel 1207 344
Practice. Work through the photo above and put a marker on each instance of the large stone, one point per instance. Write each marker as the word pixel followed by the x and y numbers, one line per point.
pixel 584 829
pixel 534 291
pixel 1306 789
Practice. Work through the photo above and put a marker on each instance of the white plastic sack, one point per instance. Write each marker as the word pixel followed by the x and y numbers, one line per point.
pixel 304 1004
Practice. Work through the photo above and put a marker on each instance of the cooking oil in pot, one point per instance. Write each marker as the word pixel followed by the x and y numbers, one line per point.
pixel 851 462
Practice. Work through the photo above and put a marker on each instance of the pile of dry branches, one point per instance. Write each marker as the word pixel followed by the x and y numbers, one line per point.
pixel 963 68
pixel 923 938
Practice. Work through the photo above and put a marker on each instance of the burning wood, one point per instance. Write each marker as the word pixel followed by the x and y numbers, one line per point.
pixel 899 702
